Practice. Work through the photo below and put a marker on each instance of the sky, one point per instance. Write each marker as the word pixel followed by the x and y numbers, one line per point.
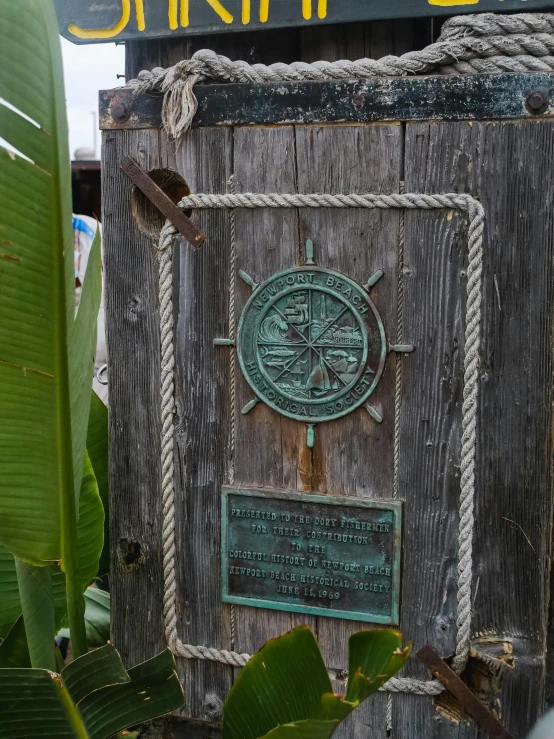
pixel 87 69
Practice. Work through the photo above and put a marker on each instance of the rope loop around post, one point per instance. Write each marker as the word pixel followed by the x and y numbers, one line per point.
pixel 462 202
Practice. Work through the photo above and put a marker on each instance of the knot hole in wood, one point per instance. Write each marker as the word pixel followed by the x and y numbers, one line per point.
pixel 149 219
pixel 130 554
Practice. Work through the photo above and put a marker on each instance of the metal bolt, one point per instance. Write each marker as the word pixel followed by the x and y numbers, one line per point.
pixel 536 102
pixel 120 112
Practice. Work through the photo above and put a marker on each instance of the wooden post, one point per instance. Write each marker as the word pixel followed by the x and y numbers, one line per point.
pixel 499 156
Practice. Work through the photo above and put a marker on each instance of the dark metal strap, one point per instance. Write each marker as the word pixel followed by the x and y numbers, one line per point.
pixel 469 702
pixel 154 193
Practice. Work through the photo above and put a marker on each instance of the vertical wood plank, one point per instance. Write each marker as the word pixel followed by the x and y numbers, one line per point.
pixel 506 166
pixel 132 328
pixel 271 449
pixel 202 422
pixel 514 463
pixel 430 441
pixel 353 455
pixel 370 39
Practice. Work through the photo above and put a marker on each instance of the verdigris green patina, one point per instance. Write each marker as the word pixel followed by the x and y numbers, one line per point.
pixel 311 344
pixel 314 554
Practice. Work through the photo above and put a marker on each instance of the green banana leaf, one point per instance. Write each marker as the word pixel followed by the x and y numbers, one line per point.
pixel 284 692
pixel 282 683
pixel 37 604
pixel 90 526
pixel 46 351
pixel 39 368
pixel 374 656
pixel 10 604
pixel 97 617
pixel 97 448
pixel 309 729
pixel 14 651
pixel 93 698
pixel 90 542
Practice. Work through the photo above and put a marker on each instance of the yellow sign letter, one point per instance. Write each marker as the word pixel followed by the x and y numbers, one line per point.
pixel 222 12
pixel 447 3
pixel 307 9
pixel 119 26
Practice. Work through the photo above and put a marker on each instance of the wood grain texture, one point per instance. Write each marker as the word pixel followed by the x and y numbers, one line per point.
pixel 271 449
pixel 354 455
pixel 506 165
pixel 132 326
pixel 430 439
pixel 202 422
pixel 256 47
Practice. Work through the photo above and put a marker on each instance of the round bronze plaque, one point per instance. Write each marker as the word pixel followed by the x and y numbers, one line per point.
pixel 311 344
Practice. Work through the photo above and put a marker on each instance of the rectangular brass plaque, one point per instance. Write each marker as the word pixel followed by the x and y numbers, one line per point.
pixel 316 554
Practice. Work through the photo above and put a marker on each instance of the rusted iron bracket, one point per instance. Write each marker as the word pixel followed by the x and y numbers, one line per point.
pixel 154 193
pixel 469 702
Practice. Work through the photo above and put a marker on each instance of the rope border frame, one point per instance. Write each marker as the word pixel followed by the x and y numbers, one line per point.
pixel 450 201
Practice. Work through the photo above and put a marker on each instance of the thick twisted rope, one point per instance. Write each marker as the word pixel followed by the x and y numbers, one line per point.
pixel 475 212
pixel 468 44
pixel 232 368
pixel 397 389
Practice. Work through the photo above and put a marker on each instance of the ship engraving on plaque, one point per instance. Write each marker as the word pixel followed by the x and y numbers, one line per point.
pixel 311 343
pixel 315 554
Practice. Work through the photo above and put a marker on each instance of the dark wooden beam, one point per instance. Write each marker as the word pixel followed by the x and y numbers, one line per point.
pixel 471 97
pixel 173 727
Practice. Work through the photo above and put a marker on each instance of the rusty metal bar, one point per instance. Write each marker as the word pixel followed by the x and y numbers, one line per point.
pixel 469 702
pixel 154 193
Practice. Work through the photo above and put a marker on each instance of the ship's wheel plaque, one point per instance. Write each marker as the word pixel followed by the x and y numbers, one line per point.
pixel 311 344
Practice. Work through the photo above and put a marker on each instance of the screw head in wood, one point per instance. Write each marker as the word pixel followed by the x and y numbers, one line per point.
pixel 536 102
pixel 120 112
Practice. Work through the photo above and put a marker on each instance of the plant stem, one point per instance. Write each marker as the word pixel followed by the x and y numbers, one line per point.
pixel 72 712
pixel 73 586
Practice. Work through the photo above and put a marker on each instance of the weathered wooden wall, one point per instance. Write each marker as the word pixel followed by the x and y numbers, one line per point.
pixel 508 166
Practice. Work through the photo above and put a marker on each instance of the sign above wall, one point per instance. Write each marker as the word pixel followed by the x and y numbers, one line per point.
pixel 83 21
